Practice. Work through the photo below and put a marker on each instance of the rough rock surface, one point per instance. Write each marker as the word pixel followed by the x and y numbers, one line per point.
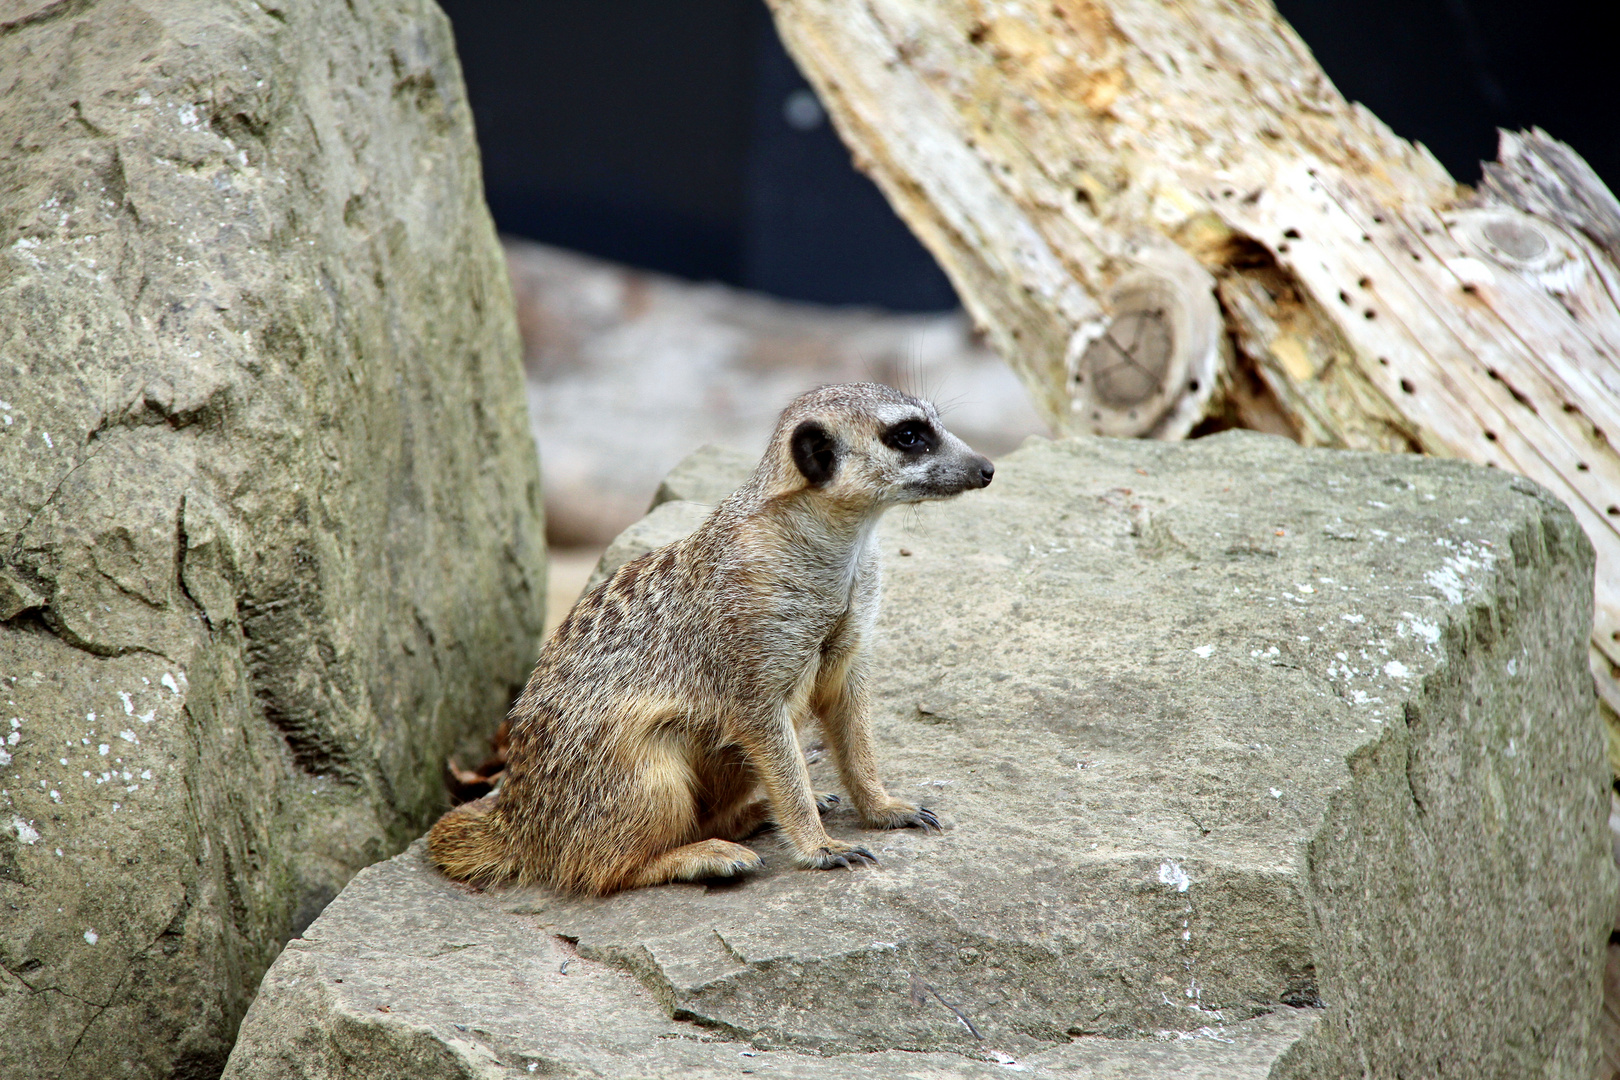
pixel 610 349
pixel 270 539
pixel 1235 741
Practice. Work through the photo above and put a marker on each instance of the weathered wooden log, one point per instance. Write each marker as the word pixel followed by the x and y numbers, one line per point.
pixel 1168 220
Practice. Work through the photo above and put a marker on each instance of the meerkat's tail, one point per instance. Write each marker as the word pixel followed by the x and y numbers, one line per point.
pixel 467 844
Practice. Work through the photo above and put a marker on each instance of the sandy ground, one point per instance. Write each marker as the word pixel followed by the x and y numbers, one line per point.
pixel 567 573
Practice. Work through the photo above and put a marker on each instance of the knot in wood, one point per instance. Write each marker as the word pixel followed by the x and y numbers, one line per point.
pixel 1147 368
pixel 1517 240
pixel 1127 365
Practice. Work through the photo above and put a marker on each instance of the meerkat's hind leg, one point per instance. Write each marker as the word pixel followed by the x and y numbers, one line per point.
pixel 691 862
pixel 743 820
pixel 732 805
pixel 754 817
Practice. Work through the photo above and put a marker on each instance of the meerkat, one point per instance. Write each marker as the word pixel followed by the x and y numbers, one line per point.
pixel 661 724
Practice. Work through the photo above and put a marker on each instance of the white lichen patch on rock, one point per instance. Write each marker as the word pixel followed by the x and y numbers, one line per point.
pixel 1425 630
pixel 1458 573
pixel 1171 874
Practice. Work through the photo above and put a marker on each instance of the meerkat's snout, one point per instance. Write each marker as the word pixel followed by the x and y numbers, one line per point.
pixel 976 471
pixel 931 462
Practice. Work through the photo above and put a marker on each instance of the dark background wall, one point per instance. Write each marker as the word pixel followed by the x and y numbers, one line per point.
pixel 678 136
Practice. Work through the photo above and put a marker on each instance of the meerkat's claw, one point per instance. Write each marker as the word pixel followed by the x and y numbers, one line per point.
pixel 903 815
pixel 825 858
pixel 826 803
pixel 747 863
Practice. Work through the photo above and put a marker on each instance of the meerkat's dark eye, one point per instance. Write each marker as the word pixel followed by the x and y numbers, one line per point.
pixel 912 437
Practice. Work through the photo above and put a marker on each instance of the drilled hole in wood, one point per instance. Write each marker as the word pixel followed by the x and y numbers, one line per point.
pixel 1365 283
pixel 1384 360
pixel 1291 234
pixel 1344 297
pixel 1377 220
pixel 1282 249
pixel 1614 511
pixel 1406 385
pixel 1192 387
pixel 1470 288
pixel 1365 238
pixel 1490 436
pixel 1517 396
pixel 1369 314
pixel 1569 407
pixel 1416 257
pixel 1581 466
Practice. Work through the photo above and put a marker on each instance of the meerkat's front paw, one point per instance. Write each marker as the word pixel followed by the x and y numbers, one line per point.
pixel 898 814
pixel 836 853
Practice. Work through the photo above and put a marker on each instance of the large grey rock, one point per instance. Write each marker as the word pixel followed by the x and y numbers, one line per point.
pixel 270 540
pixel 1236 741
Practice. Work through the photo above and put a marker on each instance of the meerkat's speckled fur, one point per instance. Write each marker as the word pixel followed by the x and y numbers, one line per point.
pixel 674 690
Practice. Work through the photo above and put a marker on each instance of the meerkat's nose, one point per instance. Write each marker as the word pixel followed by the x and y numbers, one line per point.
pixel 986 471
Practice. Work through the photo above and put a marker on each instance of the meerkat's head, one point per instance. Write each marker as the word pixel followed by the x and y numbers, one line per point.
pixel 863 444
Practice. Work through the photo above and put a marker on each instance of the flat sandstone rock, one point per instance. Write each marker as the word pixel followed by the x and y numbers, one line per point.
pixel 1256 761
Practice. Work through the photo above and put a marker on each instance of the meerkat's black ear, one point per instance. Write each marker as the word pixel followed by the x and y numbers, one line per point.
pixel 814 452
